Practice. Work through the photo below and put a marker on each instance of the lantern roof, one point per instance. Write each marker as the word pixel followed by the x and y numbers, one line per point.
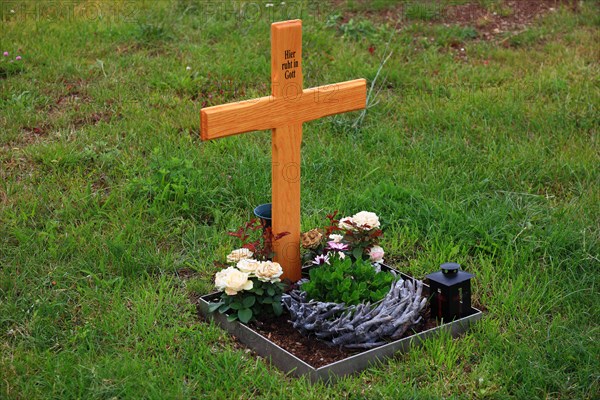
pixel 449 274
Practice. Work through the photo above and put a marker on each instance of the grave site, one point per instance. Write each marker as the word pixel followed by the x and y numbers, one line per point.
pixel 407 208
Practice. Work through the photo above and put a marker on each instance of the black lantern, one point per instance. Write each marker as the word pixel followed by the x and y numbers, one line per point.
pixel 450 292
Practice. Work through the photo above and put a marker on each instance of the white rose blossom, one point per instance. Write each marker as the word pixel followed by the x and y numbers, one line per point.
pixel 366 220
pixel 336 238
pixel 268 271
pixel 248 265
pixel 239 254
pixel 231 280
pixel 346 223
pixel 376 254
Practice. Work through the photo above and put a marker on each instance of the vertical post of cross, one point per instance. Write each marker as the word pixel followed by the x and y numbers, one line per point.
pixel 284 112
pixel 286 84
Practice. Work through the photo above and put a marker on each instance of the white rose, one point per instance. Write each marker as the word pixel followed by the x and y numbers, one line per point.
pixel 268 271
pixel 366 220
pixel 336 238
pixel 248 265
pixel 232 281
pixel 239 254
pixel 346 223
pixel 376 254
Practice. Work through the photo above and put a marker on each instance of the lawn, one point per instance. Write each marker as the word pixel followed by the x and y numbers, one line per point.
pixel 479 149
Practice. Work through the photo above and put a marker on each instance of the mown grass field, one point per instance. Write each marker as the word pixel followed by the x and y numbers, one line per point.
pixel 112 211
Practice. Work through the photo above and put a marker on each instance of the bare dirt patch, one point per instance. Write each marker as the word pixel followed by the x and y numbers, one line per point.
pixel 496 18
pixel 73 97
pixel 94 118
pixel 508 16
pixel 32 134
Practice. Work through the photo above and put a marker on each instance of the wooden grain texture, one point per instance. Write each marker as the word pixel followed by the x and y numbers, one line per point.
pixel 286 47
pixel 284 111
pixel 269 112
pixel 286 89
pixel 285 177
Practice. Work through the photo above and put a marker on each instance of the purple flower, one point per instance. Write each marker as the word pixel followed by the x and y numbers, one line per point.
pixel 18 58
pixel 321 259
pixel 332 245
pixel 6 54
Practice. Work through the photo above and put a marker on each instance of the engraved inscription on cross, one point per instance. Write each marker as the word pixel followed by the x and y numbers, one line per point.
pixel 284 111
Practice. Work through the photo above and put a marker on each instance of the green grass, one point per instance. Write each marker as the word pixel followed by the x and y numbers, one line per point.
pixel 107 195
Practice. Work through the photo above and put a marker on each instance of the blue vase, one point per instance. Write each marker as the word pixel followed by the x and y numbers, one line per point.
pixel 264 213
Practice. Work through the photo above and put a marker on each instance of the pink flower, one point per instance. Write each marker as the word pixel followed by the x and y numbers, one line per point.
pixel 376 254
pixel 18 58
pixel 6 54
pixel 332 245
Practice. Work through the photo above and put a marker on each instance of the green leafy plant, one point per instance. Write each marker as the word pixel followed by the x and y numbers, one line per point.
pixel 171 184
pixel 356 30
pixel 251 286
pixel 264 300
pixel 343 281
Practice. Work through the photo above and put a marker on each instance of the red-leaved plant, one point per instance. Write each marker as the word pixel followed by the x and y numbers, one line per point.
pixel 258 239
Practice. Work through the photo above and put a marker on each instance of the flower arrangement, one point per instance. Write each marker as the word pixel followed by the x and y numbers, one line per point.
pixel 250 286
pixel 356 237
pixel 348 300
pixel 349 259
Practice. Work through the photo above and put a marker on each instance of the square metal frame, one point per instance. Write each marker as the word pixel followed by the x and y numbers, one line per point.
pixel 289 363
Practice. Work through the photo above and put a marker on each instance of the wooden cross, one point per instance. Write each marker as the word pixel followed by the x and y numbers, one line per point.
pixel 284 112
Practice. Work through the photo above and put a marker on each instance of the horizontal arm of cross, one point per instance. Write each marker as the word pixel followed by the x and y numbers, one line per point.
pixel 270 112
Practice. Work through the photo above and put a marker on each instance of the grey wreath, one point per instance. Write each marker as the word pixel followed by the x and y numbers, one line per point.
pixel 362 326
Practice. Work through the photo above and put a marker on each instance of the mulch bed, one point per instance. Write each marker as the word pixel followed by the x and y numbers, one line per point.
pixel 311 350
pixel 308 348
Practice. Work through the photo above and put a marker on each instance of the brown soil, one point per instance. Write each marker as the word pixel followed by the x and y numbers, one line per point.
pixel 510 16
pixel 308 348
pixel 505 16
pixel 94 118
pixel 311 350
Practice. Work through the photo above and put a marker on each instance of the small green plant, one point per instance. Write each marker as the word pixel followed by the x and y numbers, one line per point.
pixel 358 29
pixel 343 281
pixel 150 32
pixel 446 36
pixel 247 295
pixel 423 11
pixel 172 183
pixel 333 19
pixel 353 29
pixel 249 288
